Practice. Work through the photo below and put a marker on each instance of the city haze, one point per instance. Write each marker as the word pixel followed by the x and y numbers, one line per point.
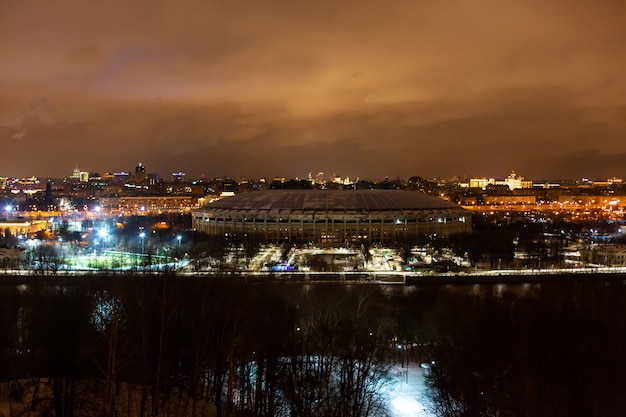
pixel 366 88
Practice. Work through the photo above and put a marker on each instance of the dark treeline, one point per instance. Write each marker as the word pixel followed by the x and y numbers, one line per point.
pixel 550 349
pixel 173 346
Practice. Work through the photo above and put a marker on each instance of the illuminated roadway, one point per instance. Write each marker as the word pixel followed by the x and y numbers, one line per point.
pixel 367 277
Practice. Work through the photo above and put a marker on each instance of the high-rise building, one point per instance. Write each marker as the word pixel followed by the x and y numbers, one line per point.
pixel 153 178
pixel 140 173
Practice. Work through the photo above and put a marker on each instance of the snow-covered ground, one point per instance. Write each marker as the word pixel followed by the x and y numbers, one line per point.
pixel 408 393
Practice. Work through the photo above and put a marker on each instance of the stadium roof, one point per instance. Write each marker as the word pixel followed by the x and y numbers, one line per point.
pixel 331 200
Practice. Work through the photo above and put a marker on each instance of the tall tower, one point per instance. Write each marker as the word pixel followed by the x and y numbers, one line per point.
pixel 140 173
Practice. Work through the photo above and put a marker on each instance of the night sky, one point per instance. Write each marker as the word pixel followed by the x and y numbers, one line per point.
pixel 360 88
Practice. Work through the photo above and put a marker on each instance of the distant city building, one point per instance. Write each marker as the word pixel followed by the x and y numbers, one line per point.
pixel 481 182
pixel 507 200
pixel 178 176
pixel 229 184
pixel 146 204
pixel 27 186
pixel 591 200
pixel 49 196
pixel 610 255
pixel 140 173
pixel 10 257
pixel 513 181
pixel 332 216
pixel 79 176
pixel 20 226
pixel 121 177
pixel 153 178
pixel 604 183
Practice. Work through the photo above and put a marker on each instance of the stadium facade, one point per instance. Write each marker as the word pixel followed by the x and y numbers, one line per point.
pixel 332 216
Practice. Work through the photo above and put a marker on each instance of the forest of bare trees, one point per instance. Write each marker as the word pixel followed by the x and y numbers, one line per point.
pixel 165 345
pixel 172 346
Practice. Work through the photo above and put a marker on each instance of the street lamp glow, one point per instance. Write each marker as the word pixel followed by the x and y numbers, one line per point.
pixel 142 235
pixel 103 233
pixel 179 238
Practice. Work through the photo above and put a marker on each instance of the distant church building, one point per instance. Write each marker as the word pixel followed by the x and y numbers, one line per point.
pixel 78 175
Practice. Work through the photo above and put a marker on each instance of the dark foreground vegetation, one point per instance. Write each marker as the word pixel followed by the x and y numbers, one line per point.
pixel 173 346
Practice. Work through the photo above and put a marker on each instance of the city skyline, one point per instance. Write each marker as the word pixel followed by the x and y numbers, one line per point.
pixel 511 178
pixel 366 89
pixel 180 174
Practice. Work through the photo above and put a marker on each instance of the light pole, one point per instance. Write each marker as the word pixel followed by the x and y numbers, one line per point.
pixel 103 234
pixel 142 236
pixel 179 238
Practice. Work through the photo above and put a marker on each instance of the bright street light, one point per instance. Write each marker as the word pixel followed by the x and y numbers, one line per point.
pixel 103 234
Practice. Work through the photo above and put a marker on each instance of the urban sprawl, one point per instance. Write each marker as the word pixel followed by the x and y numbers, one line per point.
pixel 141 221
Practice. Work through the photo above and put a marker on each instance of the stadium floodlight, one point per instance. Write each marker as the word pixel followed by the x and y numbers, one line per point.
pixel 142 236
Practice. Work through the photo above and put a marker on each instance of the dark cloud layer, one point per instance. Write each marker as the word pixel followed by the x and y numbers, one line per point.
pixel 366 88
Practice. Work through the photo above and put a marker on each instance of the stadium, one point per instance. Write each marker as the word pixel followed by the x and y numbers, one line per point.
pixel 332 216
